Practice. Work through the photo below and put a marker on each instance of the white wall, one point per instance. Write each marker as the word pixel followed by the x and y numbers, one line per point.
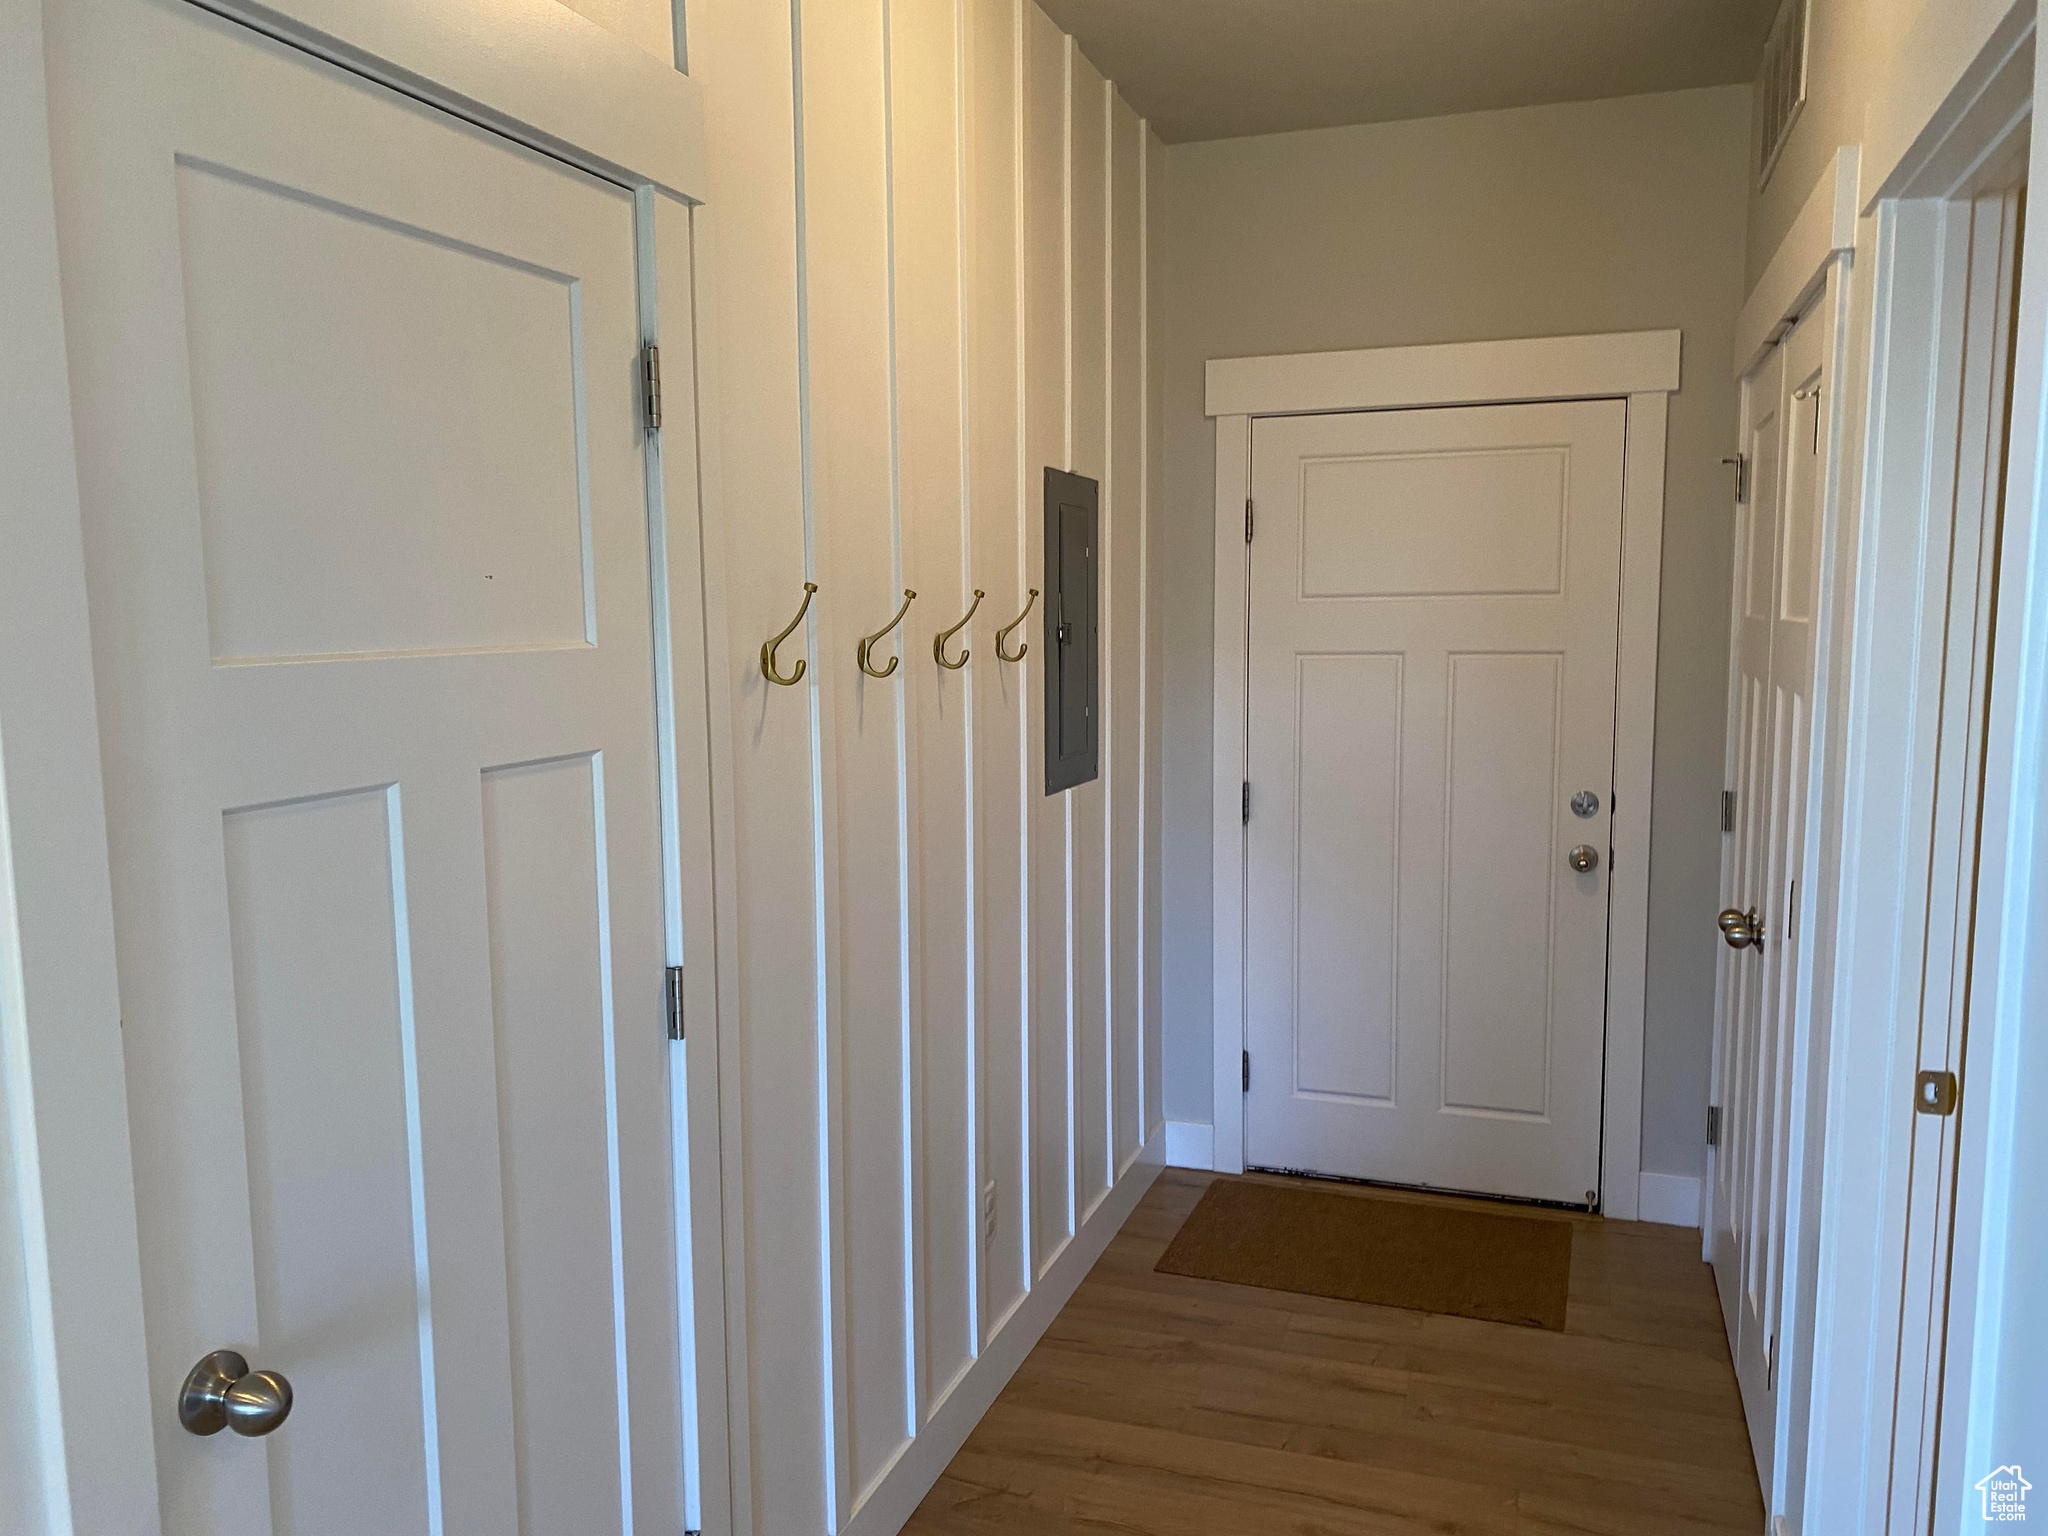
pixel 1598 216
pixel 923 279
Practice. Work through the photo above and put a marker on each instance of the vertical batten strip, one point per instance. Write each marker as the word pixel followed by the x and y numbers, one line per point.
pixel 1027 887
pixel 1087 331
pixel 1151 1109
pixel 1110 696
pixel 924 53
pixel 1045 258
pixel 1123 663
pixel 970 703
pixel 1068 987
pixel 785 1361
pixel 990 425
pixel 854 481
pixel 830 1127
pixel 910 1063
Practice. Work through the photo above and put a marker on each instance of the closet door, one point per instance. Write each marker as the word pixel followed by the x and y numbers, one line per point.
pixel 366 517
pixel 1761 991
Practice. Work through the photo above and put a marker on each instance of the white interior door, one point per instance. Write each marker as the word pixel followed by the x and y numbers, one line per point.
pixel 1434 618
pixel 366 520
pixel 1776 590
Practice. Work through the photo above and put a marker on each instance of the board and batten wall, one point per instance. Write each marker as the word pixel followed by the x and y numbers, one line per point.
pixel 1617 215
pixel 923 276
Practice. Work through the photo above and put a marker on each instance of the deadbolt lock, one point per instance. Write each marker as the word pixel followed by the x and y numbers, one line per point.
pixel 1585 803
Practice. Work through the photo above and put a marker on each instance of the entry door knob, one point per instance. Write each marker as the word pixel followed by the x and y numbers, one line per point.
pixel 221 1392
pixel 1583 858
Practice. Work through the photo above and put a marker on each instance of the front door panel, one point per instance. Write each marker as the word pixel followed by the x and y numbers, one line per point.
pixel 1434 612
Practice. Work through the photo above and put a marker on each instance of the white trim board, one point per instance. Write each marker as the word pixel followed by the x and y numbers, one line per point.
pixel 1670 1198
pixel 1643 368
pixel 1825 227
pixel 1190 1144
pixel 896 1496
pixel 1896 574
pixel 1460 373
pixel 531 70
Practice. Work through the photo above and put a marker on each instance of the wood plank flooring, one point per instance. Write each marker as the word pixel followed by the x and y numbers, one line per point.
pixel 1159 1404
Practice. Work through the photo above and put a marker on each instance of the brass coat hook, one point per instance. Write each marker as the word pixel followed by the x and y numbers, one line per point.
pixel 1005 630
pixel 768 646
pixel 868 644
pixel 939 640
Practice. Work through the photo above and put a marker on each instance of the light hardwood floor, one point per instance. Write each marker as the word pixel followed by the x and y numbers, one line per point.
pixel 1161 1404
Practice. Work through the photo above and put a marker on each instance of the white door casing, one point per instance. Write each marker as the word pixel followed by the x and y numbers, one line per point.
pixel 1433 636
pixel 1776 593
pixel 1640 367
pixel 365 505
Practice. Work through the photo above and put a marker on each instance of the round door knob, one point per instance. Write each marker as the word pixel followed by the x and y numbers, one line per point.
pixel 1739 930
pixel 221 1392
pixel 1583 858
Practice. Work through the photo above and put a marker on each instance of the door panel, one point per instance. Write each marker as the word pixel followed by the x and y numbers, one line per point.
pixel 367 550
pixel 1501 795
pixel 1347 891
pixel 1434 604
pixel 326 1047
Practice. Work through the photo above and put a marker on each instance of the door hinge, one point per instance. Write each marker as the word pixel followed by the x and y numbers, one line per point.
pixel 1727 810
pixel 674 990
pixel 1245 1070
pixel 1713 1125
pixel 1741 463
pixel 1247 519
pixel 1934 1093
pixel 650 385
pixel 1244 805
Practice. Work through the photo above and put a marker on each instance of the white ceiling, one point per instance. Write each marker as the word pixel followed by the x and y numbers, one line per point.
pixel 1216 69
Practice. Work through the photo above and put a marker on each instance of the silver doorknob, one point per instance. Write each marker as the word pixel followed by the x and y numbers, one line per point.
pixel 1739 930
pixel 1583 858
pixel 221 1392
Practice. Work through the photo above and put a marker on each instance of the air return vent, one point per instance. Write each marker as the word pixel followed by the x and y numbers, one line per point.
pixel 1781 86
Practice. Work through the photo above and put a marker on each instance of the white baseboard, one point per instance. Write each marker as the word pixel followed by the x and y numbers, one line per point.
pixel 896 1497
pixel 1190 1144
pixel 1670 1198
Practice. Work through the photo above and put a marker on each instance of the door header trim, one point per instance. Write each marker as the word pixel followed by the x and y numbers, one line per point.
pixel 1457 373
pixel 546 77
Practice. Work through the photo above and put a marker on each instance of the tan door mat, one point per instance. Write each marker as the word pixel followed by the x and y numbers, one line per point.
pixel 1494 1265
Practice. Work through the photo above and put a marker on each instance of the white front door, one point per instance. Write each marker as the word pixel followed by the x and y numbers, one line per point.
pixel 1771 734
pixel 1434 618
pixel 367 545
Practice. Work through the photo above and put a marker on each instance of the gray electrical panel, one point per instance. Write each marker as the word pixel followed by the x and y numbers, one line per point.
pixel 1072 512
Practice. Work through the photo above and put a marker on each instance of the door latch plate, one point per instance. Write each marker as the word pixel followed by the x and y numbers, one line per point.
pixel 1934 1093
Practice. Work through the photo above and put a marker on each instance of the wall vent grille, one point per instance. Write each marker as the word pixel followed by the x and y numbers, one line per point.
pixel 1781 86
